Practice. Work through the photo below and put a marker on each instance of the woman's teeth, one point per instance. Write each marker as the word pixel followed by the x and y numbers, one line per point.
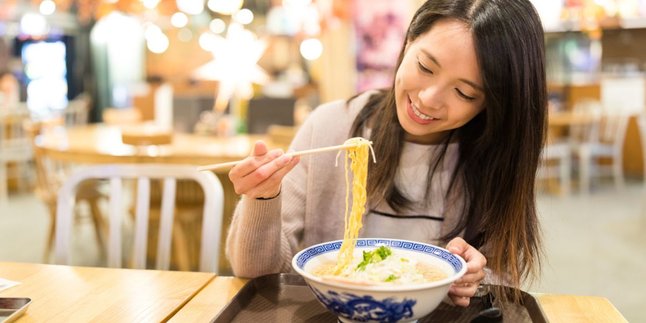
pixel 420 114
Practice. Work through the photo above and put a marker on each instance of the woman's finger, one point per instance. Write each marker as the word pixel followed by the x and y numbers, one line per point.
pixel 253 162
pixel 270 187
pixel 463 290
pixel 259 148
pixel 474 276
pixel 265 180
pixel 460 301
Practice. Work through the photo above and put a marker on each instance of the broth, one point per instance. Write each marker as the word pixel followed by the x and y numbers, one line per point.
pixel 395 270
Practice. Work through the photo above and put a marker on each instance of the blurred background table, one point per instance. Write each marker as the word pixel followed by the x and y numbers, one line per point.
pixel 101 143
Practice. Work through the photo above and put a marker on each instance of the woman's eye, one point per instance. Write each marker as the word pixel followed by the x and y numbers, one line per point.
pixel 464 96
pixel 424 68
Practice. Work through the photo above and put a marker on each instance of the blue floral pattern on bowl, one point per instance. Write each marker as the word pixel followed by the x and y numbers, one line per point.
pixel 366 308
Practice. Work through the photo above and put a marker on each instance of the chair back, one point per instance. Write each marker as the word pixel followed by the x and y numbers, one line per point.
pixel 587 132
pixel 143 173
pixel 609 126
pixel 612 128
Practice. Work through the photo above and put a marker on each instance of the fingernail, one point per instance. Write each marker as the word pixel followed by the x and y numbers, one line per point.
pixel 284 159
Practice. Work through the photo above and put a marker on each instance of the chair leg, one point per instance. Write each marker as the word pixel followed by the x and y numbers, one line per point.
pixel 98 222
pixel 4 183
pixel 52 232
pixel 565 175
pixel 180 247
pixel 618 173
pixel 584 170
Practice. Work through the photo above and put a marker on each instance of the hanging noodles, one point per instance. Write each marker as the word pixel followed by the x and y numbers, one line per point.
pixel 358 157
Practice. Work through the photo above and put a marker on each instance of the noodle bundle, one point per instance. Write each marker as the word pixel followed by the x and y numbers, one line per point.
pixel 358 157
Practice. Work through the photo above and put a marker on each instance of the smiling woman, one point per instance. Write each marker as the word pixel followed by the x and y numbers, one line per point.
pixel 458 137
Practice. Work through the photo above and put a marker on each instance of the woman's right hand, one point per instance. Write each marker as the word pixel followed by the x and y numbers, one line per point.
pixel 260 174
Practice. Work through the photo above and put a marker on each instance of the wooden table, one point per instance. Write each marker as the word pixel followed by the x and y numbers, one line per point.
pixel 86 294
pixel 83 294
pixel 558 308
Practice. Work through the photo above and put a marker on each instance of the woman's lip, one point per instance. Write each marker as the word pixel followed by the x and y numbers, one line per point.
pixel 414 117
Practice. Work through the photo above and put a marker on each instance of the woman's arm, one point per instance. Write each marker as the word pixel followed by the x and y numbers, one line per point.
pixel 268 221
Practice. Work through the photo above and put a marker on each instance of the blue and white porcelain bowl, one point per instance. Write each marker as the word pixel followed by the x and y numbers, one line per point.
pixel 379 303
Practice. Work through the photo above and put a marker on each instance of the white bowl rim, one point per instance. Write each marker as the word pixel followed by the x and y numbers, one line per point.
pixel 381 288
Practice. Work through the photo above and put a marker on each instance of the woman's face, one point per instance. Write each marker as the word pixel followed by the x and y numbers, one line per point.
pixel 438 85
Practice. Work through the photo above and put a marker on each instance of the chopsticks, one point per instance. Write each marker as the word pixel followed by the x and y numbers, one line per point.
pixel 293 153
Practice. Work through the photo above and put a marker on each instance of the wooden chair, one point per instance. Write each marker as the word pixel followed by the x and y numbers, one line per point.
pixel 603 139
pixel 143 174
pixel 15 150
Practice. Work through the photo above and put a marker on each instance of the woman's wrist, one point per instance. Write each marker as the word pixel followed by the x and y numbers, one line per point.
pixel 262 198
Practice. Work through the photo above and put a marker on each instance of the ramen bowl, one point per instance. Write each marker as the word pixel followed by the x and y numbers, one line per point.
pixel 357 302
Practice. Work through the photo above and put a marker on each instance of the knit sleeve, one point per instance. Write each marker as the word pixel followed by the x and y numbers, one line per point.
pixel 264 234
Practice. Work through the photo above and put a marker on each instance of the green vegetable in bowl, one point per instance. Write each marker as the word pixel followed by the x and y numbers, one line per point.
pixel 377 255
pixel 391 278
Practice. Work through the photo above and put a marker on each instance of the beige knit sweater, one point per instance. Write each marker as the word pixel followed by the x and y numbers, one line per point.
pixel 265 234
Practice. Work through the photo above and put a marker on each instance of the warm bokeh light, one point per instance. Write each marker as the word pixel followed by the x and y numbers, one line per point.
pixel 235 64
pixel 47 7
pixel 311 49
pixel 33 24
pixel 191 7
pixel 207 41
pixel 179 20
pixel 244 16
pixel 225 7
pixel 217 26
pixel 150 4
pixel 156 41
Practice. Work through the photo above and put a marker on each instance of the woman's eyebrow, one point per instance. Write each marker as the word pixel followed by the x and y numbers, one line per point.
pixel 431 57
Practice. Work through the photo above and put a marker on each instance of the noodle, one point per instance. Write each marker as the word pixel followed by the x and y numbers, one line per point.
pixel 358 158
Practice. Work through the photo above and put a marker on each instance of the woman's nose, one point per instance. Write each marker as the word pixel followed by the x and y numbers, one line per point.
pixel 431 97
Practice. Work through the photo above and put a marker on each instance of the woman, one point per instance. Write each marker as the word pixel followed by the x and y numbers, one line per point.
pixel 457 141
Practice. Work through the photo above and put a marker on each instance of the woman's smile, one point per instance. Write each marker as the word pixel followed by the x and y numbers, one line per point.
pixel 418 116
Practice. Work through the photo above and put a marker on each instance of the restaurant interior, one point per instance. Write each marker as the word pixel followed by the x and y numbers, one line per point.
pixel 115 86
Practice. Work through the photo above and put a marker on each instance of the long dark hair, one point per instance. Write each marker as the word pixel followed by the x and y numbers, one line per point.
pixel 499 148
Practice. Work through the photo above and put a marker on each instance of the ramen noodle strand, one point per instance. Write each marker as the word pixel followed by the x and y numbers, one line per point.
pixel 358 157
